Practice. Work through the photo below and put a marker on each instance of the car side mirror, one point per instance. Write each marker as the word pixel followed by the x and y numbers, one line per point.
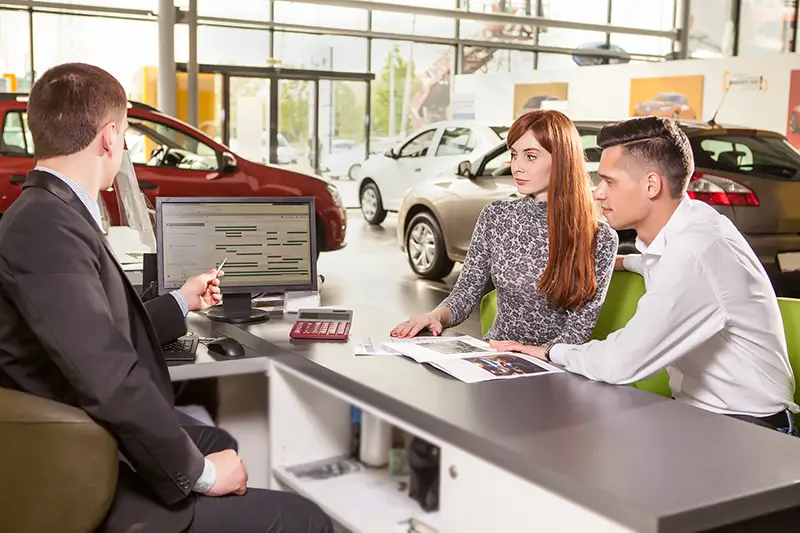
pixel 229 163
pixel 390 153
pixel 465 169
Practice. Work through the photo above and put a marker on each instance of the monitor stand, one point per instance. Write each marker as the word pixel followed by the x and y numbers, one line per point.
pixel 237 309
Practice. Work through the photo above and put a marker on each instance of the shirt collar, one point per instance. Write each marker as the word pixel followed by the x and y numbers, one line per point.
pixel 660 242
pixel 90 203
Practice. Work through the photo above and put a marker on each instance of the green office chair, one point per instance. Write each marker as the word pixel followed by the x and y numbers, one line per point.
pixel 790 312
pixel 619 307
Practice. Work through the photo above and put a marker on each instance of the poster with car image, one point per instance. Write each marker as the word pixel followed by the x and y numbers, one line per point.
pixel 793 119
pixel 530 96
pixel 679 97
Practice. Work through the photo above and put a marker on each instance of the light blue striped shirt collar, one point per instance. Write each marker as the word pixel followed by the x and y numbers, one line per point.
pixel 90 203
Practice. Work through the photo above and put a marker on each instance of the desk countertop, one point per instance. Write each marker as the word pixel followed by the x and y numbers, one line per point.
pixel 650 463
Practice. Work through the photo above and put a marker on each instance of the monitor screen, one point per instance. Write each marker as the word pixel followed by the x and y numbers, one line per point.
pixel 268 244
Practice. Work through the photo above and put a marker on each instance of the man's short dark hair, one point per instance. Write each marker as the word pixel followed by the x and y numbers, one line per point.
pixel 657 141
pixel 69 104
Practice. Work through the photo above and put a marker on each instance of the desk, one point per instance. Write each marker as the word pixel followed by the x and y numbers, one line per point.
pixel 547 453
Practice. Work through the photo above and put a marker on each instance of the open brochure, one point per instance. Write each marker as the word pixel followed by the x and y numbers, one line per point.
pixel 471 360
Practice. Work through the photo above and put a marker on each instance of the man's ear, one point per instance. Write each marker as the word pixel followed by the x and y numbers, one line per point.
pixel 108 135
pixel 654 183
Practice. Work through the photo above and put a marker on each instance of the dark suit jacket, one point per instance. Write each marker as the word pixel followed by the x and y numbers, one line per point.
pixel 75 331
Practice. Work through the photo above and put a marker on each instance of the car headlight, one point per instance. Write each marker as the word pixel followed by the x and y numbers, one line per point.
pixel 337 197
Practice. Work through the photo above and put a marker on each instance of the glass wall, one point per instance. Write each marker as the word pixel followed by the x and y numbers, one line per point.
pixel 766 26
pixel 15 53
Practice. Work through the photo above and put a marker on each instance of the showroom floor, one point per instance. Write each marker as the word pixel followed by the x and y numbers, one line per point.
pixel 373 268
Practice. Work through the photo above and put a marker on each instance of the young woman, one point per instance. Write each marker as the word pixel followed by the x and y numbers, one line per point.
pixel 548 255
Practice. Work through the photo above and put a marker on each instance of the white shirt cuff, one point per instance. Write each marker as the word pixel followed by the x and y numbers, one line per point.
pixel 558 353
pixel 206 479
pixel 632 263
pixel 181 302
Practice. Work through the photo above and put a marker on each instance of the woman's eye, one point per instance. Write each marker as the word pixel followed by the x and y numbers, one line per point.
pixel 531 157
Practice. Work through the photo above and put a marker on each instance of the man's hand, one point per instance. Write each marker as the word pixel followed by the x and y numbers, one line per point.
pixel 514 346
pixel 619 263
pixel 201 292
pixel 231 474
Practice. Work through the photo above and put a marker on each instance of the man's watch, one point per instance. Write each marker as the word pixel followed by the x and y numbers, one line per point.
pixel 547 349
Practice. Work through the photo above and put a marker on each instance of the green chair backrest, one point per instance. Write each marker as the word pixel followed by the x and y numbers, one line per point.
pixel 619 307
pixel 790 312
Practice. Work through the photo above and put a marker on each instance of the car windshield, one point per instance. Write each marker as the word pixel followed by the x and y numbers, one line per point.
pixel 501 131
pixel 768 156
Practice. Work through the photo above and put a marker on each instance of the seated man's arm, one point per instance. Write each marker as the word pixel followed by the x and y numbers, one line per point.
pixel 56 287
pixel 679 312
pixel 168 315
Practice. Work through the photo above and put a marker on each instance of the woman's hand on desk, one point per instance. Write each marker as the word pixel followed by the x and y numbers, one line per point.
pixel 514 346
pixel 417 323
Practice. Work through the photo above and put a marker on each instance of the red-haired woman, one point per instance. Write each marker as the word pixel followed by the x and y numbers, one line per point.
pixel 548 255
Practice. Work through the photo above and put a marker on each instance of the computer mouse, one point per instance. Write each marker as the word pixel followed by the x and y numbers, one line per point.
pixel 226 347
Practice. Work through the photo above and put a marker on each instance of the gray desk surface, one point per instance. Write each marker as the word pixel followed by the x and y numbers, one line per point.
pixel 207 365
pixel 647 462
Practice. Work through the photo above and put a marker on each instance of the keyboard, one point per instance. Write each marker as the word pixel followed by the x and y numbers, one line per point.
pixel 181 350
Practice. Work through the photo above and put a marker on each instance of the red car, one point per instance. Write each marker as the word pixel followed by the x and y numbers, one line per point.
pixel 174 159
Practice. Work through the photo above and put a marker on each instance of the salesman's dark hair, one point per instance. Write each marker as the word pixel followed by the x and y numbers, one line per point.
pixel 655 141
pixel 69 104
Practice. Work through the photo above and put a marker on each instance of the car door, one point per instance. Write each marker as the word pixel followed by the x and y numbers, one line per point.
pixel 172 162
pixel 16 156
pixel 492 181
pixel 409 168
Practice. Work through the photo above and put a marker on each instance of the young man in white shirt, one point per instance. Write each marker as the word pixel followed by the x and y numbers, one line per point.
pixel 710 315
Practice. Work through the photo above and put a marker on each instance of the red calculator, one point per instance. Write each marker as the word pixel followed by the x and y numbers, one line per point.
pixel 322 324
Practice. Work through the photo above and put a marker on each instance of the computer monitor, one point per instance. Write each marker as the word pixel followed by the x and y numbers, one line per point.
pixel 270 245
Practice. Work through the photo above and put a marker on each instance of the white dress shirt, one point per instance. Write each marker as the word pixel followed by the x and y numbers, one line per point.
pixel 710 317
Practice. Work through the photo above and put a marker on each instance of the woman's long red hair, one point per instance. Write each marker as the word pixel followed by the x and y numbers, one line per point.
pixel 569 279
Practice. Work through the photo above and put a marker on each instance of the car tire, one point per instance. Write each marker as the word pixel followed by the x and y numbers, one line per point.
pixel 372 204
pixel 352 172
pixel 425 248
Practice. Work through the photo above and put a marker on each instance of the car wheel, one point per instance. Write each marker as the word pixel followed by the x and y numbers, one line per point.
pixel 372 204
pixel 425 248
pixel 353 172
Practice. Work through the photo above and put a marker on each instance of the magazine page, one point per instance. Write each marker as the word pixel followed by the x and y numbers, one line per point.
pixel 499 365
pixel 429 349
pixel 377 345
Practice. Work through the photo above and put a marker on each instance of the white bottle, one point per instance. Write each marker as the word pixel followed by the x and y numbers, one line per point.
pixel 376 439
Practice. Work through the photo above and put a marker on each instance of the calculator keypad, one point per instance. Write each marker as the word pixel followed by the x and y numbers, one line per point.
pixel 304 329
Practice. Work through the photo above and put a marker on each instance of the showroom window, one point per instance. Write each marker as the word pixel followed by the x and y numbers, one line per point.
pixel 427 103
pixel 320 15
pixel 15 52
pixel 62 38
pixel 16 138
pixel 156 144
pixel 409 24
pixel 418 146
pixel 766 26
pixel 321 52
pixel 456 141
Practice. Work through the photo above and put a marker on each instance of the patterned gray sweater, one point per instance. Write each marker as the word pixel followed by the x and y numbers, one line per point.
pixel 510 246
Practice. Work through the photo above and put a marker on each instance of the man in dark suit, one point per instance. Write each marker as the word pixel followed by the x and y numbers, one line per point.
pixel 75 331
